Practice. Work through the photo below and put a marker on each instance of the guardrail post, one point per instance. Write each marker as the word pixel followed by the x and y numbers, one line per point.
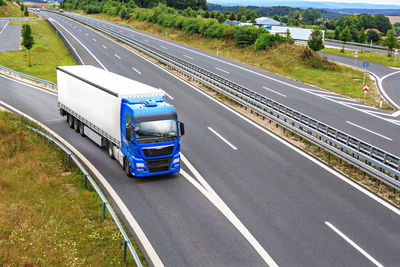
pixel 85 181
pixel 69 161
pixel 125 245
pixel 44 139
pixel 104 210
pixel 396 178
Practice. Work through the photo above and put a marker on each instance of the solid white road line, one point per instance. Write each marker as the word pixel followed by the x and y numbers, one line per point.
pixel 279 139
pixel 94 39
pixel 273 91
pixel 4 26
pixel 222 70
pixel 117 56
pixel 169 96
pixel 348 240
pixel 188 57
pixel 365 129
pixel 359 105
pixel 222 138
pixel 98 61
pixel 163 47
pixel 208 192
pixel 318 91
pixel 136 70
pixel 380 82
pixel 105 47
pixel 128 215
pixel 338 97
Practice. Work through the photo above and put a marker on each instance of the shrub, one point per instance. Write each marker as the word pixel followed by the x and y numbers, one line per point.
pixel 215 31
pixel 245 35
pixel 92 9
pixel 179 22
pixel 191 26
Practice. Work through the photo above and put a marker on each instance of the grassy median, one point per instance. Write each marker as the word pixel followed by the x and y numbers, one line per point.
pixel 48 52
pixel 47 217
pixel 380 58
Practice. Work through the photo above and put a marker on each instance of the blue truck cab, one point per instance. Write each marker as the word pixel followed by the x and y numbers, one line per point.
pixel 150 136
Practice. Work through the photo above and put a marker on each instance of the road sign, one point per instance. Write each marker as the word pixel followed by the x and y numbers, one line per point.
pixel 355 53
pixel 396 51
pixel 6 13
pixel 365 64
pixel 366 88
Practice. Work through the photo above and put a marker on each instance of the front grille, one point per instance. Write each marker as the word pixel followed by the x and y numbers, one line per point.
pixel 154 152
pixel 158 165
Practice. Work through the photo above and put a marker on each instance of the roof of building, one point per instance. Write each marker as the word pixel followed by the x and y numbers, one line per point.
pixel 375 30
pixel 267 21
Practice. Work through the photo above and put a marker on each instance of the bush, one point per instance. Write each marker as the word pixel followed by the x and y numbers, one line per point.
pixel 215 31
pixel 245 35
pixel 92 9
pixel 179 22
pixel 191 26
pixel 266 40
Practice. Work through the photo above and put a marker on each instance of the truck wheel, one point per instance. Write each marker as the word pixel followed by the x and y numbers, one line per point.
pixel 70 121
pixel 76 125
pixel 110 149
pixel 127 167
pixel 82 129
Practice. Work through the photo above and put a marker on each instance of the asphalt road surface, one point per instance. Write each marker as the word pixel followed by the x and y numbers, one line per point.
pixel 299 212
pixel 10 37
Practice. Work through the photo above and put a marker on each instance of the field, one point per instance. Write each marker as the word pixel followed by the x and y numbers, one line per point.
pixel 12 9
pixel 394 19
pixel 47 217
pixel 48 52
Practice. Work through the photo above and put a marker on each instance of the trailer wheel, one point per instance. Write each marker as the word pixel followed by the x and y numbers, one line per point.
pixel 82 129
pixel 70 120
pixel 127 167
pixel 110 149
pixel 76 125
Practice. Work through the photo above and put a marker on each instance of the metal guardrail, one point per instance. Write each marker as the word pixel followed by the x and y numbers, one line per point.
pixel 358 44
pixel 53 86
pixel 66 42
pixel 106 204
pixel 357 152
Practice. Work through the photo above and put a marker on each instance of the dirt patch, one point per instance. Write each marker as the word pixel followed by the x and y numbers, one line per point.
pixel 394 19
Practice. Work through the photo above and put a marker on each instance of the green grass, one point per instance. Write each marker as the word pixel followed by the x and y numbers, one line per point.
pixel 48 52
pixel 47 217
pixel 380 58
pixel 12 8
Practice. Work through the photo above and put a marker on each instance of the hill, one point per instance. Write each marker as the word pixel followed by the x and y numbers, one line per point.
pixel 12 9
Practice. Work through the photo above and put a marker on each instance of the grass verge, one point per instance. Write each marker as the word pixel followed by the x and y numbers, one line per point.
pixel 12 8
pixel 286 60
pixel 380 58
pixel 48 52
pixel 47 217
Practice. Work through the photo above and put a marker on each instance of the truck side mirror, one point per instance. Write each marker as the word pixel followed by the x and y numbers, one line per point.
pixel 182 128
pixel 129 132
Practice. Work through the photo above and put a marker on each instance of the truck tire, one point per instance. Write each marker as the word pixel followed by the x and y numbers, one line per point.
pixel 82 129
pixel 110 149
pixel 127 167
pixel 76 124
pixel 70 120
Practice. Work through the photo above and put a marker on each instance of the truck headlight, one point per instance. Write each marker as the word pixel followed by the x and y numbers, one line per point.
pixel 140 164
pixel 176 161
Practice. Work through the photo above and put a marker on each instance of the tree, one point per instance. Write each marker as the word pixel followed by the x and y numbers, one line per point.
pixel 276 17
pixel 2 3
pixel 345 36
pixel 22 7
pixel 337 32
pixel 362 37
pixel 232 16
pixel 372 36
pixel 27 40
pixel 390 41
pixel 206 15
pixel 315 42
pixel 123 13
pixel 26 12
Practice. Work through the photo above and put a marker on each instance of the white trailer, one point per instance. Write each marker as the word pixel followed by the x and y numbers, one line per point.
pixel 93 96
pixel 296 33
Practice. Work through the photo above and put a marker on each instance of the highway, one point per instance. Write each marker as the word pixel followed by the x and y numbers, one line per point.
pixel 309 100
pixel 355 47
pixel 292 208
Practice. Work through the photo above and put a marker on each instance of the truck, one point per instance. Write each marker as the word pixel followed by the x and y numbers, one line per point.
pixel 128 118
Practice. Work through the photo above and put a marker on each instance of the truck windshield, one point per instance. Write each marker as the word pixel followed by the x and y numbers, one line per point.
pixel 156 131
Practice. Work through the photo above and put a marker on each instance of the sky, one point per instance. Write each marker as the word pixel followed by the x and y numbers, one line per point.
pixel 385 2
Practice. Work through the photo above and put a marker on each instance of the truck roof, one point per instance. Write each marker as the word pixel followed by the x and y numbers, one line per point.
pixel 112 83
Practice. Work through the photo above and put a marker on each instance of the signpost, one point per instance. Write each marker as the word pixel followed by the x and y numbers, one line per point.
pixel 365 65
pixel 166 34
pixel 355 56
pixel 396 52
pixel 365 90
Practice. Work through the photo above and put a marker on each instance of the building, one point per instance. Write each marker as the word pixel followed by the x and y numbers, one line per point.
pixel 264 21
